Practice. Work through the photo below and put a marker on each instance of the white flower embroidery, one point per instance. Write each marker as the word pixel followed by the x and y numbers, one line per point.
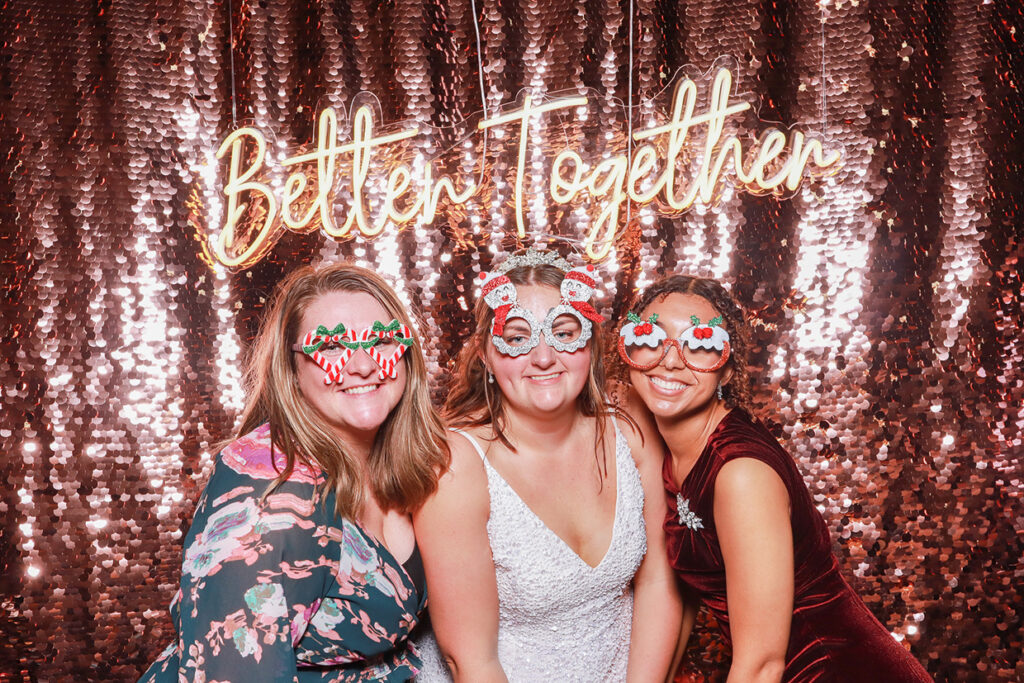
pixel 687 516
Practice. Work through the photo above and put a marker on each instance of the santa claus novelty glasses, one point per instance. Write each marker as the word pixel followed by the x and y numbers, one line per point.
pixel 567 327
pixel 704 348
pixel 332 349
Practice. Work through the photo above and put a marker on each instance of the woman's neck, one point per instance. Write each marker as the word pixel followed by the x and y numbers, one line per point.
pixel 687 435
pixel 358 445
pixel 539 432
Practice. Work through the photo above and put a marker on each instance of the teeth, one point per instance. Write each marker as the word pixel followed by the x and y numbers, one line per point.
pixel 543 377
pixel 664 384
pixel 360 390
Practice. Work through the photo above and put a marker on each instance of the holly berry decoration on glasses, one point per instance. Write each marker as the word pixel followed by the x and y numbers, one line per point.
pixel 643 344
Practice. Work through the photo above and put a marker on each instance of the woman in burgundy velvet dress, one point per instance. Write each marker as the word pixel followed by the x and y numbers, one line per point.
pixel 741 528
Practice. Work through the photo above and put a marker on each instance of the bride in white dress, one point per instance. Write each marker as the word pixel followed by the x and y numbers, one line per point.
pixel 543 546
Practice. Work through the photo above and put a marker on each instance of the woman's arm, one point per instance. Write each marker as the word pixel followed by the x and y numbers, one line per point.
pixel 657 607
pixel 451 531
pixel 248 569
pixel 691 605
pixel 752 518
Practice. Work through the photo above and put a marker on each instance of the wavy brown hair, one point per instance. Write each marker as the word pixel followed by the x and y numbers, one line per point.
pixel 472 401
pixel 410 450
pixel 737 392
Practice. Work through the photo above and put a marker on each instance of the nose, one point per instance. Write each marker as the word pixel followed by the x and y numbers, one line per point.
pixel 542 356
pixel 361 365
pixel 673 358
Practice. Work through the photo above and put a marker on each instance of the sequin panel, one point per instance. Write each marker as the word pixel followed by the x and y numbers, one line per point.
pixel 886 297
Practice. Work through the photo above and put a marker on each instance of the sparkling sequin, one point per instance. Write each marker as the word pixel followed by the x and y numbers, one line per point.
pixel 887 299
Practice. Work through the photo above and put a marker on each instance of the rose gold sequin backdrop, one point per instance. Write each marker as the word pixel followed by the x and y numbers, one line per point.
pixel 888 297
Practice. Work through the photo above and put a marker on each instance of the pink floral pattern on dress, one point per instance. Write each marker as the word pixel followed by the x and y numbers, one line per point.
pixel 250 455
pixel 281 588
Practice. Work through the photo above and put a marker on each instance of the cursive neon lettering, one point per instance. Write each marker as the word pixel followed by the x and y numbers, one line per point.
pixel 363 186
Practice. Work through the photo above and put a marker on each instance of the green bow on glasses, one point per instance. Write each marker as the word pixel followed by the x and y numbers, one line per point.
pixel 394 327
pixel 322 335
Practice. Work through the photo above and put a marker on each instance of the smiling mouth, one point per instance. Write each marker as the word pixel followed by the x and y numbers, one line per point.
pixel 543 378
pixel 667 385
pixel 364 389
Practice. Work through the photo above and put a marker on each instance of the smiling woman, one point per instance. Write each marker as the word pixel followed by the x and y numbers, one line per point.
pixel 358 401
pixel 543 559
pixel 300 563
pixel 742 530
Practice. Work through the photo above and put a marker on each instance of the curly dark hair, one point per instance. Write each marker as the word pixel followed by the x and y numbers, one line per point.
pixel 738 392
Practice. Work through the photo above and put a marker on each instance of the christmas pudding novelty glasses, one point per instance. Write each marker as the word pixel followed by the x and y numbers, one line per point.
pixel 703 347
pixel 567 327
pixel 332 349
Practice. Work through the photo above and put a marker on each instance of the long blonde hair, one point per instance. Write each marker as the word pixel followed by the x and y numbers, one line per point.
pixel 409 452
pixel 473 401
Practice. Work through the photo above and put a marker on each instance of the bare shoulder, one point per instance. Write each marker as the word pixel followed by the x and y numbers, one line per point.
pixel 640 430
pixel 461 490
pixel 749 481
pixel 467 467
pixel 751 502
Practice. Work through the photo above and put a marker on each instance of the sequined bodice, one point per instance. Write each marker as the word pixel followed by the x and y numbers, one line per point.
pixel 559 618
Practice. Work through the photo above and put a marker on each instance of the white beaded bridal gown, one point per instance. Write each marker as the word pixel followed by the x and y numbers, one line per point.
pixel 559 618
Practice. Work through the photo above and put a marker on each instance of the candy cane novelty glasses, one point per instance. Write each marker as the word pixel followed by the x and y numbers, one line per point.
pixel 332 349
pixel 644 343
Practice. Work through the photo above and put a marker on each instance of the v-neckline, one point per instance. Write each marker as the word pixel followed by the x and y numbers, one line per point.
pixel 544 525
pixel 668 471
pixel 390 557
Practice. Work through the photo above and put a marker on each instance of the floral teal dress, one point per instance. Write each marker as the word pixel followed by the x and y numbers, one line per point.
pixel 284 589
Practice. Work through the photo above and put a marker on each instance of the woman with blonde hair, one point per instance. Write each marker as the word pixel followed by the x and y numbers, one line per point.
pixel 543 546
pixel 301 563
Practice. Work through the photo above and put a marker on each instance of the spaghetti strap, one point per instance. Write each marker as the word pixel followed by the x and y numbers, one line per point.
pixel 476 445
pixel 618 432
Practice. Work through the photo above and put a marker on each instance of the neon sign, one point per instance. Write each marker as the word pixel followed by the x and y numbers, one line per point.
pixel 370 182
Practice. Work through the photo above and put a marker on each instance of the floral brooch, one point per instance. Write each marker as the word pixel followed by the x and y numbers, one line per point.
pixel 687 517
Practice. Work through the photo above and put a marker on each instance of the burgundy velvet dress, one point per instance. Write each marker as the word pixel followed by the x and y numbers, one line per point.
pixel 833 636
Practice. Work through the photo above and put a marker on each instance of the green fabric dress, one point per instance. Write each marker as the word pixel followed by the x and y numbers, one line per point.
pixel 284 589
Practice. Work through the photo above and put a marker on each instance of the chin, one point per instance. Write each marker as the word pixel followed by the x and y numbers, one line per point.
pixel 553 403
pixel 555 407
pixel 679 411
pixel 362 421
pixel 662 406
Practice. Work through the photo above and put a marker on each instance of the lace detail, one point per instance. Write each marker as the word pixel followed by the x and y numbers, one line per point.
pixel 559 618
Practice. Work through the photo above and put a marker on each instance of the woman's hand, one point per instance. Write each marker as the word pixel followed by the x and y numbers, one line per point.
pixel 451 530
pixel 752 519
